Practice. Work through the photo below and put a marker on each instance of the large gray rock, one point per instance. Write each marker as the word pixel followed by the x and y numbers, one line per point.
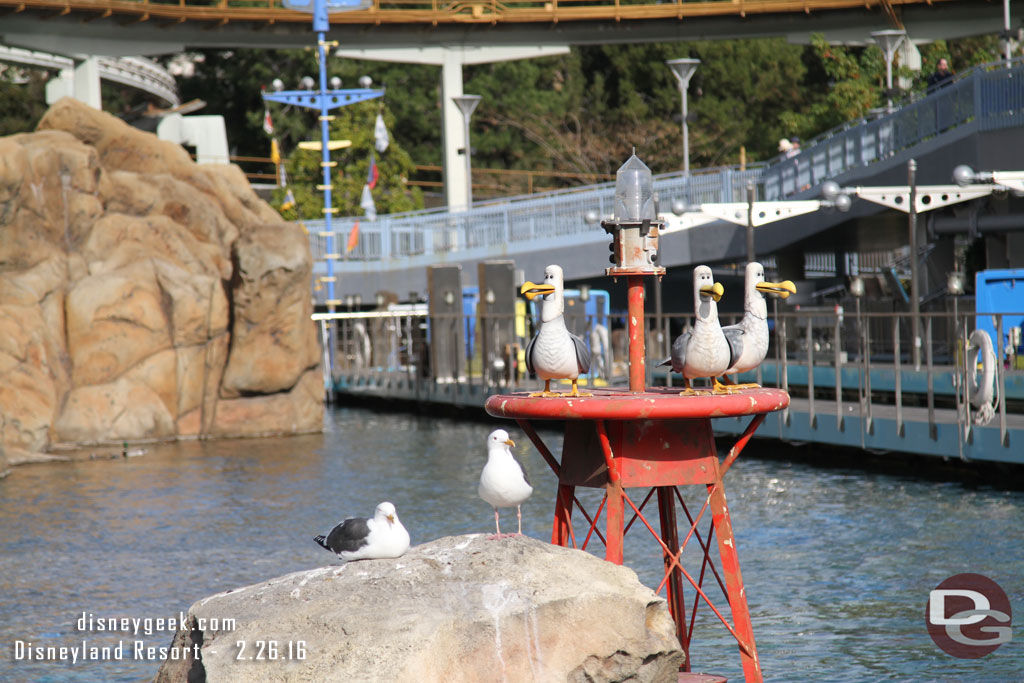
pixel 459 609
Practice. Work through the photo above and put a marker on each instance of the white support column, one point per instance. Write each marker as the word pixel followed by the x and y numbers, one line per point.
pixel 453 133
pixel 451 60
pixel 87 81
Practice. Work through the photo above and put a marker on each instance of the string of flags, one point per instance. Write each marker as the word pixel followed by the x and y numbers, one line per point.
pixel 381 141
pixel 380 135
pixel 366 201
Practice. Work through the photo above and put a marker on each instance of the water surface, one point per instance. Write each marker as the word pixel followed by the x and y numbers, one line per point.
pixel 837 563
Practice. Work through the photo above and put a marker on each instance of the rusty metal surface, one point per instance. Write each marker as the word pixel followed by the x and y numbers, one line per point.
pixel 657 403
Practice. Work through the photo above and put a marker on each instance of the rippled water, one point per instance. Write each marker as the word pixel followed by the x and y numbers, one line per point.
pixel 837 563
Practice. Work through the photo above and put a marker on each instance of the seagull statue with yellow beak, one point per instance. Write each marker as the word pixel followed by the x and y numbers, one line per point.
pixel 748 339
pixel 702 351
pixel 554 352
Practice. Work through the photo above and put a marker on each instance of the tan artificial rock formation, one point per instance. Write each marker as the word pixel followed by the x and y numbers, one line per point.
pixel 121 307
pixel 459 609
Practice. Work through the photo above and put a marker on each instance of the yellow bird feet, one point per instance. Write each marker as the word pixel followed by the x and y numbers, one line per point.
pixel 726 379
pixel 720 389
pixel 575 393
pixel 546 394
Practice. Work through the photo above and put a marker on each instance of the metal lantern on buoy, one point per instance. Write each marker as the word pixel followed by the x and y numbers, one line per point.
pixel 634 226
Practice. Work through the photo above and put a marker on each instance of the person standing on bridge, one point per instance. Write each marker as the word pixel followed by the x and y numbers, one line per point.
pixel 941 77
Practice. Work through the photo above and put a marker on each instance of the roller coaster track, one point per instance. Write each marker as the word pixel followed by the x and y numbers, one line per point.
pixel 136 72
pixel 218 13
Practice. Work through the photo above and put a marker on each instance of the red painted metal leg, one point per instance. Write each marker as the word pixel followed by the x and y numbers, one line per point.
pixel 637 352
pixel 734 583
pixel 614 521
pixel 561 529
pixel 670 535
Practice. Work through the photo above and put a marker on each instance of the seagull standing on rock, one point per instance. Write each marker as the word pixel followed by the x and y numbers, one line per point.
pixel 748 339
pixel 702 351
pixel 554 352
pixel 360 538
pixel 503 482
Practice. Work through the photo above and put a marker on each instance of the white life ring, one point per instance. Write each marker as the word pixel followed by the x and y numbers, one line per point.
pixel 362 351
pixel 981 393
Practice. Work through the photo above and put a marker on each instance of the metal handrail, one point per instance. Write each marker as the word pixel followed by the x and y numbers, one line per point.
pixel 868 344
pixel 432 12
pixel 988 98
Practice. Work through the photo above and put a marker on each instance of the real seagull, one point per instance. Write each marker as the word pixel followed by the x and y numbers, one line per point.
pixel 368 538
pixel 748 339
pixel 503 482
pixel 702 351
pixel 554 352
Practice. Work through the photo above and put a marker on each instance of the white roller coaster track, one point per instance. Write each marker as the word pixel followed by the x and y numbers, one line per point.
pixel 135 72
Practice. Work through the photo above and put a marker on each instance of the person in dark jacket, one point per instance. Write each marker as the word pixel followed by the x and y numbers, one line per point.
pixel 941 77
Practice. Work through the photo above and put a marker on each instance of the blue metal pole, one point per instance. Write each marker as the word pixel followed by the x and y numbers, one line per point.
pixel 325 162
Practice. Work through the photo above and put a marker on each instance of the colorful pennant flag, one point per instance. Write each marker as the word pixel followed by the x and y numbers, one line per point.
pixel 275 152
pixel 353 238
pixel 289 201
pixel 268 124
pixel 380 135
pixel 367 205
pixel 373 173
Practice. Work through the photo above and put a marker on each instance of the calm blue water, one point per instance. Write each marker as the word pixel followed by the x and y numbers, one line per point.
pixel 837 563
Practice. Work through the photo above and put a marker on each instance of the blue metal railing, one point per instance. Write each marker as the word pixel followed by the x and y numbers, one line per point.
pixel 990 97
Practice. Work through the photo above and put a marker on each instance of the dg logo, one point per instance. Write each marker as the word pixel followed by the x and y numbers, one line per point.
pixel 968 616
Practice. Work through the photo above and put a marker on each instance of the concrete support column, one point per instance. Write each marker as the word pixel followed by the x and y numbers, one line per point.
pixel 451 59
pixel 81 82
pixel 453 133
pixel 87 81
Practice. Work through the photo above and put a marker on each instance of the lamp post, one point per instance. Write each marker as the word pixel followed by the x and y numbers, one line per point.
pixel 889 40
pixel 683 69
pixel 466 104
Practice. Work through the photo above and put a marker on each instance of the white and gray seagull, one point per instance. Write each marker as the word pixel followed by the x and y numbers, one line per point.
pixel 749 338
pixel 554 352
pixel 503 482
pixel 702 351
pixel 360 538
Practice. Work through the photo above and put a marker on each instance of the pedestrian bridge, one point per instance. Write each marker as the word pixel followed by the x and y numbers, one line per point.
pixel 167 26
pixel 977 120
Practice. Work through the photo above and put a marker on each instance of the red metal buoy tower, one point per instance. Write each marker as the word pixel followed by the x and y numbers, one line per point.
pixel 655 439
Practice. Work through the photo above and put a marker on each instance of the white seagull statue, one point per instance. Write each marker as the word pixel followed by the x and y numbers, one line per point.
pixel 554 352
pixel 748 339
pixel 359 538
pixel 503 482
pixel 703 351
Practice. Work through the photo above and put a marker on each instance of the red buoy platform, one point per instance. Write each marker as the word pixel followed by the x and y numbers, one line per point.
pixel 656 439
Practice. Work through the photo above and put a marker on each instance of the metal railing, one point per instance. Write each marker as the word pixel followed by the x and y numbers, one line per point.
pixel 992 95
pixel 989 96
pixel 439 11
pixel 861 362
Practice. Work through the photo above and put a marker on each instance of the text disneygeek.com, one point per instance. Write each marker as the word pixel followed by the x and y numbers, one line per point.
pixel 128 649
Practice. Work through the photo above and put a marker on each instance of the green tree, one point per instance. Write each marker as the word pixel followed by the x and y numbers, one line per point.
pixel 355 123
pixel 22 99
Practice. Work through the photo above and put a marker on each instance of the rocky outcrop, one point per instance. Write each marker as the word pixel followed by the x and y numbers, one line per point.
pixel 459 609
pixel 143 296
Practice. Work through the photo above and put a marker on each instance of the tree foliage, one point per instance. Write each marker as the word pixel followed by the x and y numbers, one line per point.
pixel 581 112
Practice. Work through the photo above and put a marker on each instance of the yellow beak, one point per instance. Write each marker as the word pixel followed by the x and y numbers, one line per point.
pixel 530 290
pixel 779 289
pixel 391 519
pixel 715 291
pixel 510 442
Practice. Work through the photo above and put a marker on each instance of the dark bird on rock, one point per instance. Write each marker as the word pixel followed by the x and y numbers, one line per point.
pixel 368 538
